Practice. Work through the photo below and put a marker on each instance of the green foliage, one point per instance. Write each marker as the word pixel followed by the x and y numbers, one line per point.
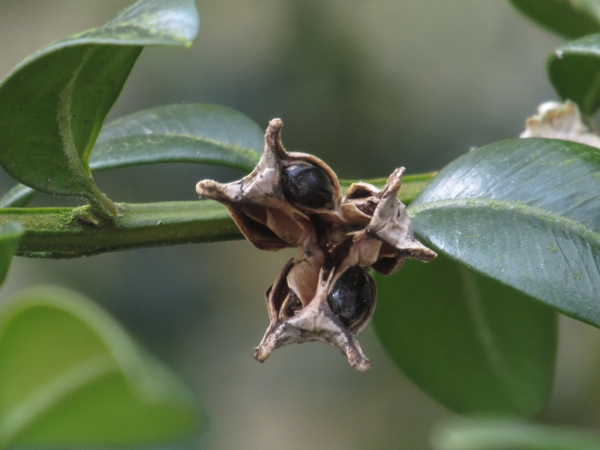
pixel 573 70
pixel 502 434
pixel 196 133
pixel 507 210
pixel 53 104
pixel 71 377
pixel 190 133
pixel 474 344
pixel 9 238
pixel 571 19
pixel 516 224
pixel 18 196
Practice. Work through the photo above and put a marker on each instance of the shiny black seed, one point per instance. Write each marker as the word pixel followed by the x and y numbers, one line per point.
pixel 307 185
pixel 352 295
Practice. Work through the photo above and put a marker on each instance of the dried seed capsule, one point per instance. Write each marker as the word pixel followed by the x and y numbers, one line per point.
pixel 298 310
pixel 352 295
pixel 324 293
pixel 308 186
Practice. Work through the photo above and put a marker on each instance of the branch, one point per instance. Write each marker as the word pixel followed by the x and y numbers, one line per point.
pixel 66 233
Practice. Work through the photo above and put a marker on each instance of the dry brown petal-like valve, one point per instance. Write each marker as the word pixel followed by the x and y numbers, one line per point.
pixel 310 301
pixel 325 292
pixel 263 203
pixel 390 225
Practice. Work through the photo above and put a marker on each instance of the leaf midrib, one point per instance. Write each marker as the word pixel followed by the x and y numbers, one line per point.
pixel 509 205
pixel 97 165
pixel 64 118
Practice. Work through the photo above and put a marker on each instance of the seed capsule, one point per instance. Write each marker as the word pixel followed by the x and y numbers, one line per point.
pixel 324 293
pixel 352 295
pixel 307 185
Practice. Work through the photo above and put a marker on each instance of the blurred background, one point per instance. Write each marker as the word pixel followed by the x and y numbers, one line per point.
pixel 365 85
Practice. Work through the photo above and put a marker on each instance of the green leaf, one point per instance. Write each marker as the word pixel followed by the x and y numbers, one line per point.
pixel 574 70
pixel 53 104
pixel 17 197
pixel 10 234
pixel 499 434
pixel 525 212
pixel 197 133
pixel 566 17
pixel 189 133
pixel 70 377
pixel 473 344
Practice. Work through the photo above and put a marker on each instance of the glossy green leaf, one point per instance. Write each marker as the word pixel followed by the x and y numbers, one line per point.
pixel 188 133
pixel 198 133
pixel 474 344
pixel 574 70
pixel 53 104
pixel 498 434
pixel 17 197
pixel 9 238
pixel 566 17
pixel 70 378
pixel 525 212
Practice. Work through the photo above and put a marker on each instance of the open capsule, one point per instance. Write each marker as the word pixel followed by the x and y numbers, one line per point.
pixel 324 293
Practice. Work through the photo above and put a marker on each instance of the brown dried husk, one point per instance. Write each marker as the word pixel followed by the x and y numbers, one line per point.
pixel 369 228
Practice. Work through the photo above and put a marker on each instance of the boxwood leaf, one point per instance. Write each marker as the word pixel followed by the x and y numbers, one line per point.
pixel 71 378
pixel 566 17
pixel 53 104
pixel 501 434
pixel 9 238
pixel 17 197
pixel 198 133
pixel 525 212
pixel 190 133
pixel 573 70
pixel 474 344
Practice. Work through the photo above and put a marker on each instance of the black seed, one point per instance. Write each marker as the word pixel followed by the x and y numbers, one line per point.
pixel 352 295
pixel 307 185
